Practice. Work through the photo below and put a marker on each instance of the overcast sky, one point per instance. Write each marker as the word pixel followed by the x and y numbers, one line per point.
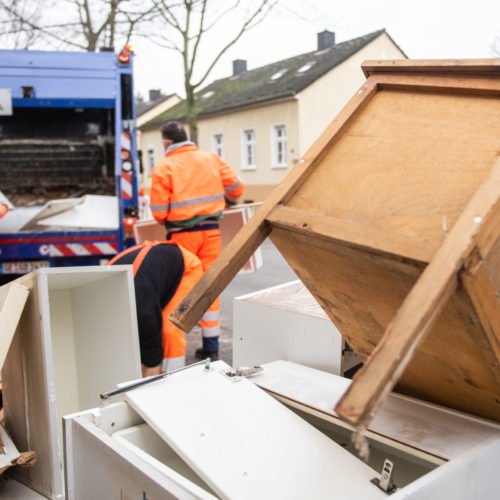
pixel 424 29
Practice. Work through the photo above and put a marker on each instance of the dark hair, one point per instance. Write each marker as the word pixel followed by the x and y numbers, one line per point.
pixel 173 131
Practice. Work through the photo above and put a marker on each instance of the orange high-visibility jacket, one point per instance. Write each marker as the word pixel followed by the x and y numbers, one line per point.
pixel 189 185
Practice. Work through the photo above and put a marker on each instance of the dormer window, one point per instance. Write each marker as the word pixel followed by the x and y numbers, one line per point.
pixel 307 66
pixel 279 74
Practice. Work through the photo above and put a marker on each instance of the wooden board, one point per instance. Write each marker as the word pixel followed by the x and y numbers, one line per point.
pixel 378 173
pixel 13 299
pixel 363 313
pixel 393 223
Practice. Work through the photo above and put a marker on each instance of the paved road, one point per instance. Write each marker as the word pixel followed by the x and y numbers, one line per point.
pixel 274 271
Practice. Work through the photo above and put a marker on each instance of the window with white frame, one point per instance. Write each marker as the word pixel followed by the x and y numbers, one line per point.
pixel 278 146
pixel 218 144
pixel 248 150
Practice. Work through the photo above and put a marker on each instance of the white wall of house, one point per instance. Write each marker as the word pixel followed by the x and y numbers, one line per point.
pixel 151 145
pixel 320 102
pixel 263 121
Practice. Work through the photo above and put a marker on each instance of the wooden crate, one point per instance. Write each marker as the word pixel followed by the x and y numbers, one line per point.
pixel 392 221
pixel 77 337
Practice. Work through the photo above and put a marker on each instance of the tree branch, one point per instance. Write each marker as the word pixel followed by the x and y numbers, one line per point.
pixel 251 22
pixel 200 33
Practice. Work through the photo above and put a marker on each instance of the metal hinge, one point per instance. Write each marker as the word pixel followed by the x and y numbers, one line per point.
pixel 243 372
pixel 384 482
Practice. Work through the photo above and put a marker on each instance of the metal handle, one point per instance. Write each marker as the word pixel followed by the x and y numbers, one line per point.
pixel 149 380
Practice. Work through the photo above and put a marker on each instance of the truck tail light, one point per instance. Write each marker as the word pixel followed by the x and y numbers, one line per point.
pixel 124 57
pixel 128 223
pixel 125 54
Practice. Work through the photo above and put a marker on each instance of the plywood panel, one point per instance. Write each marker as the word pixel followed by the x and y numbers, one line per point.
pixel 358 298
pixel 12 301
pixel 408 164
pixel 25 389
pixel 493 266
pixel 413 158
pixel 361 292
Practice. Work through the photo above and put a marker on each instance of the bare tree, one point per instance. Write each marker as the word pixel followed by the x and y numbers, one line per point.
pixel 15 19
pixel 80 24
pixel 190 23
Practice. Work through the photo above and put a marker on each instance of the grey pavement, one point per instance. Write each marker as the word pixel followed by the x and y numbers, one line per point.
pixel 274 271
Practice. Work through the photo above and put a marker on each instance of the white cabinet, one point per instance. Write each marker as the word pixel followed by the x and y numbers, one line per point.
pixel 203 434
pixel 286 322
pixel 77 337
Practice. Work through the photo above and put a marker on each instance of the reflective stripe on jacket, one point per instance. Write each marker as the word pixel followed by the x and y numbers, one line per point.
pixel 189 183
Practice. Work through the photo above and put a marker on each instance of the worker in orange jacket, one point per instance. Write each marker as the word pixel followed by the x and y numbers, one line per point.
pixel 164 273
pixel 189 191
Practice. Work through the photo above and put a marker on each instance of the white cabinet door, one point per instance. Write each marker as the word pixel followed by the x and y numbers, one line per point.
pixel 244 443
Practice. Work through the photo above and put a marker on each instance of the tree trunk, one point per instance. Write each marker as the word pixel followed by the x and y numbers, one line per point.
pixel 191 115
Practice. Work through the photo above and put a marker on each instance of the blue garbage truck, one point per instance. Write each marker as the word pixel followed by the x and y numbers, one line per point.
pixel 67 131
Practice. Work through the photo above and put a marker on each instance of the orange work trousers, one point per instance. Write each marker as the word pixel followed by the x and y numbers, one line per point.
pixel 206 245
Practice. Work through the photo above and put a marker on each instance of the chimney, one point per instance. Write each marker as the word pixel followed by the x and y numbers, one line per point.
pixel 154 95
pixel 239 66
pixel 326 39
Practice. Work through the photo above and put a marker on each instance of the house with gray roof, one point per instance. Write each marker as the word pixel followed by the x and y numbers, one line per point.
pixel 263 120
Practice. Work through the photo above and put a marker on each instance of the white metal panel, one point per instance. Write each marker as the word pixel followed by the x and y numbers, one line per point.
pixel 244 443
pixel 436 430
pixel 94 212
pixel 51 208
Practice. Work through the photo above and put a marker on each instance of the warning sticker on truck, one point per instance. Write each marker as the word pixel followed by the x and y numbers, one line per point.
pixel 23 267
